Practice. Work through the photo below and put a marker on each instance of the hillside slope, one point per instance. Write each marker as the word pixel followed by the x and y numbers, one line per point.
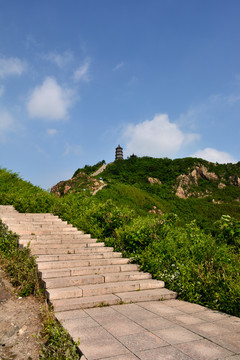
pixel 189 187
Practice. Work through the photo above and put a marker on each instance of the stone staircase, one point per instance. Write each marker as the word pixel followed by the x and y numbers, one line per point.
pixel 78 272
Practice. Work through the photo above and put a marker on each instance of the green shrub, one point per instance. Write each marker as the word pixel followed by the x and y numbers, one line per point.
pixel 194 265
pixel 19 264
pixel 55 341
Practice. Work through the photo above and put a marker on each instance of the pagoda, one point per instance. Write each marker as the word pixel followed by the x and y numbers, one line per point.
pixel 119 153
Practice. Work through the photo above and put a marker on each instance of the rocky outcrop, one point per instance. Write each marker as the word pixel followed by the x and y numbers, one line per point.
pixel 155 210
pixel 221 185
pixel 234 180
pixel 80 182
pixel 184 182
pixel 154 181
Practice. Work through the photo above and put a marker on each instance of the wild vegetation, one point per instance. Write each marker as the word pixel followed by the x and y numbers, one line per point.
pixel 191 243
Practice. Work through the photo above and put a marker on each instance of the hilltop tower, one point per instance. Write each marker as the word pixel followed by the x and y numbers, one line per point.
pixel 119 153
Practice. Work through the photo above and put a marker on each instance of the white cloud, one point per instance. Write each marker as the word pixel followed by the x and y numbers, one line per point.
pixel 214 155
pixel 51 132
pixel 82 72
pixel 7 124
pixel 49 101
pixel 118 66
pixel 2 89
pixel 11 66
pixel 157 137
pixel 59 59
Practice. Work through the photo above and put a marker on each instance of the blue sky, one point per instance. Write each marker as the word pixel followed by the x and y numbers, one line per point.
pixel 77 78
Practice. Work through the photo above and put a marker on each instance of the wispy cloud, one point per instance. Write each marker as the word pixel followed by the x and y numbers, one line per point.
pixel 42 152
pixel 82 72
pixel 59 59
pixel 118 66
pixel 12 66
pixel 72 149
pixel 50 101
pixel 51 132
pixel 7 124
pixel 157 137
pixel 214 155
pixel 2 89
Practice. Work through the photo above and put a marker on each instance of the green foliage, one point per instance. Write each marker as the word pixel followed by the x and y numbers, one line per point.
pixel 55 342
pixel 191 263
pixel 19 264
pixel 228 231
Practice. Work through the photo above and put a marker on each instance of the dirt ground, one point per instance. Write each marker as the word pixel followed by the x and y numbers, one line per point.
pixel 20 324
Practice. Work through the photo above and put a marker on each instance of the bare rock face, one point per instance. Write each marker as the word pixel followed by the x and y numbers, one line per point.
pixel 155 210
pixel 204 173
pixel 235 180
pixel 221 185
pixel 154 181
pixel 77 183
pixel 185 181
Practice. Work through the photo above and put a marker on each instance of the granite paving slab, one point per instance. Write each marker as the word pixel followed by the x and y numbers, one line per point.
pixel 155 330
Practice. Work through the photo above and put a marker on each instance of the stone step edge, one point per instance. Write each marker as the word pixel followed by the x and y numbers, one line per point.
pixel 80 291
pixel 93 279
pixel 55 273
pixel 112 299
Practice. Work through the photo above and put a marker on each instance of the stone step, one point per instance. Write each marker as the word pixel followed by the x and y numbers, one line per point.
pixel 28 220
pixel 38 232
pixel 79 263
pixel 111 299
pixel 101 289
pixel 80 256
pixel 88 270
pixel 71 281
pixel 75 236
pixel 82 250
pixel 48 225
pixel 39 250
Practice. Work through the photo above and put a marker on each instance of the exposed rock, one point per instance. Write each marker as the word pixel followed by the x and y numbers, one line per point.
pixel 67 188
pixel 185 181
pixel 216 202
pixel 234 180
pixel 204 173
pixel 155 210
pixel 78 183
pixel 221 185
pixel 154 181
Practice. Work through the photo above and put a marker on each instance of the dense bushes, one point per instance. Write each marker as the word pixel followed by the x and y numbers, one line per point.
pixel 195 265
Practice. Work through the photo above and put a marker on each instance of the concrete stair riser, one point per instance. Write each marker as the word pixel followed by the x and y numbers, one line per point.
pixel 64 248
pixel 49 274
pixel 72 263
pixel 101 289
pixel 95 279
pixel 107 255
pixel 112 299
pixel 73 237
pixel 83 249
pixel 67 251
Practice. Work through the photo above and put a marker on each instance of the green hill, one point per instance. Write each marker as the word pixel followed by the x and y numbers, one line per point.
pixel 179 219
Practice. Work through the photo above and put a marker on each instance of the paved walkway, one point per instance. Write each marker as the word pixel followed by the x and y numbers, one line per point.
pixel 155 330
